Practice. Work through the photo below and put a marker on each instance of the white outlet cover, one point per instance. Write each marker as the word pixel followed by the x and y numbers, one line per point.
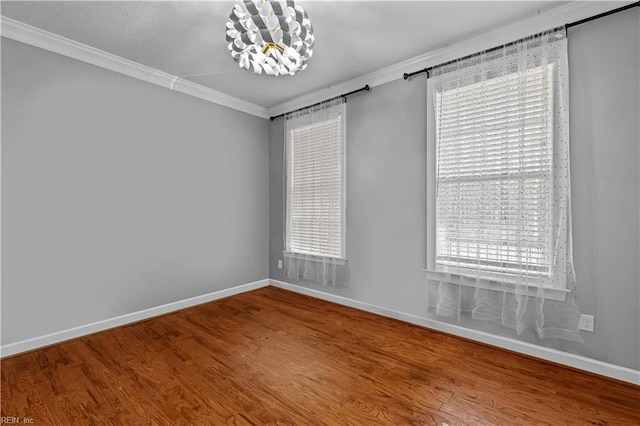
pixel 586 322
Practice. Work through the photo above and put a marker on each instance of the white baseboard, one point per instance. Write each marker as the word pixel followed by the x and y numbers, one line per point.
pixel 565 358
pixel 60 336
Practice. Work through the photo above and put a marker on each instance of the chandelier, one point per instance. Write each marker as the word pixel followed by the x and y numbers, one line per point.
pixel 270 37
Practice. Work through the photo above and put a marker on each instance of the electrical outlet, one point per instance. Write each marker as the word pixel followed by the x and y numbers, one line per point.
pixel 586 322
pixel 279 264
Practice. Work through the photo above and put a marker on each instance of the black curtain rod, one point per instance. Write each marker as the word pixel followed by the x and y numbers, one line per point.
pixel 602 15
pixel 344 95
pixel 407 76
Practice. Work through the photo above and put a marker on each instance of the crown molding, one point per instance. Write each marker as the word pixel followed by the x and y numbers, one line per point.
pixel 19 31
pixel 545 20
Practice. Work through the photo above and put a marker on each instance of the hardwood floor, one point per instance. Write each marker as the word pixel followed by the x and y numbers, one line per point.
pixel 275 357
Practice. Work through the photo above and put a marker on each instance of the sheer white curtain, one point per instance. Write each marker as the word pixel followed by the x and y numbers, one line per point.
pixel 315 194
pixel 499 220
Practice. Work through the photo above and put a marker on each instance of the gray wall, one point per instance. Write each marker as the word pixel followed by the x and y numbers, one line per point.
pixel 604 60
pixel 386 170
pixel 118 195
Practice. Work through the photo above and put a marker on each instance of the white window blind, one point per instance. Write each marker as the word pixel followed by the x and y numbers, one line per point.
pixel 315 182
pixel 494 179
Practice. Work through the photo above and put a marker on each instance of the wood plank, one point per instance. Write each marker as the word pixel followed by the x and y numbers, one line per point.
pixel 272 356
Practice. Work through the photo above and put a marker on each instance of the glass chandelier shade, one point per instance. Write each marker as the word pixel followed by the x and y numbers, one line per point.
pixel 270 37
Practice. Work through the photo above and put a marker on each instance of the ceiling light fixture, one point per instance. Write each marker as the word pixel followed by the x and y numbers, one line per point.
pixel 270 37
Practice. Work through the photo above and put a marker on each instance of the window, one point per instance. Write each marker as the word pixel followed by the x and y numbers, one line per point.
pixel 498 175
pixel 494 175
pixel 498 189
pixel 315 169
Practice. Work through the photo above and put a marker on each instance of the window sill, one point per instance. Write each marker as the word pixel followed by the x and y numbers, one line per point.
pixel 507 286
pixel 315 257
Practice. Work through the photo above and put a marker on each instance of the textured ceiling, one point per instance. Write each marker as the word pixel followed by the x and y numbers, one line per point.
pixel 187 39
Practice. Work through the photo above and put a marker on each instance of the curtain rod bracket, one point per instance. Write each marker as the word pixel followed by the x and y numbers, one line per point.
pixel 407 76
